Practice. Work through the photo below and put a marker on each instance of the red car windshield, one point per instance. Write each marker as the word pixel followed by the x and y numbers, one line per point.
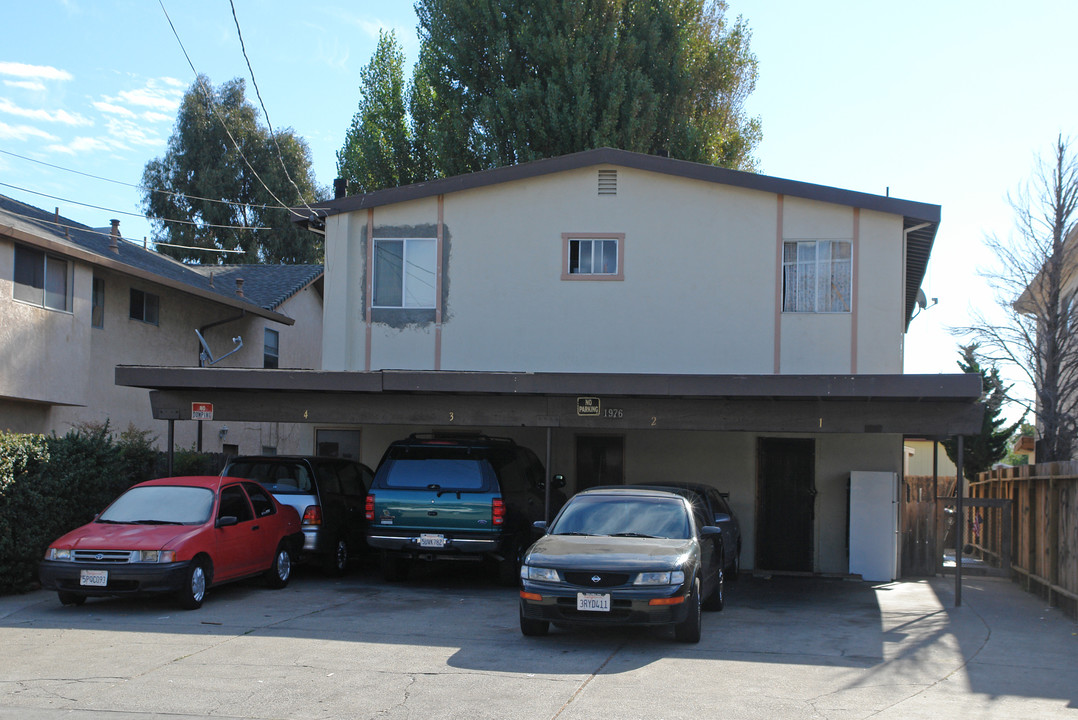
pixel 161 505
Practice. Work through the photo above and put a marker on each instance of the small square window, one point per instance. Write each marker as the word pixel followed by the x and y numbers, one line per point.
pixel 144 306
pixel 816 276
pixel 595 256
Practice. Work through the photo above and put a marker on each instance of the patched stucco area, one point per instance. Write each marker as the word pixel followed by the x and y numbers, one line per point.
pixel 410 318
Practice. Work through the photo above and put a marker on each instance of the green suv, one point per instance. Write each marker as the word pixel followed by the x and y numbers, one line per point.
pixel 455 497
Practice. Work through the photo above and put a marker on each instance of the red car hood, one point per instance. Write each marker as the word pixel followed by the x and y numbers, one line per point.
pixel 106 536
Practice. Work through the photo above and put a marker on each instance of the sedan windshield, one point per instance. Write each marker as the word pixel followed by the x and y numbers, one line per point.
pixel 626 516
pixel 161 504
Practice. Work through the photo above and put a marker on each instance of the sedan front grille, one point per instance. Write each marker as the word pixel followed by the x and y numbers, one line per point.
pixel 102 556
pixel 596 579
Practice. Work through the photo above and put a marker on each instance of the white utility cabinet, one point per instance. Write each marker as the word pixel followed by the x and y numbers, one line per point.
pixel 874 525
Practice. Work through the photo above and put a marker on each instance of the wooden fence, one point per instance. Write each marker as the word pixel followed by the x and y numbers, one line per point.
pixel 1043 532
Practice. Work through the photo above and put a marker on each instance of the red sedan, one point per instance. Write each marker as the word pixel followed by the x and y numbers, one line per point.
pixel 178 535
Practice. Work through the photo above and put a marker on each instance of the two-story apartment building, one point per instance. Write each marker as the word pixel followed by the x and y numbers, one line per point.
pixel 76 302
pixel 633 318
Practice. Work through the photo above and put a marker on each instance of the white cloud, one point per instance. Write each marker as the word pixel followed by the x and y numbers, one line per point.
pixel 151 116
pixel 33 85
pixel 23 132
pixel 125 133
pixel 60 116
pixel 112 108
pixel 39 72
pixel 82 145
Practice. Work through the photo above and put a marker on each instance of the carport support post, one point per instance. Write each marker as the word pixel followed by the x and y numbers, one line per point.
pixel 960 525
pixel 171 442
pixel 548 479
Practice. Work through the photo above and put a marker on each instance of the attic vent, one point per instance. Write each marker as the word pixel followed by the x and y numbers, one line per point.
pixel 608 182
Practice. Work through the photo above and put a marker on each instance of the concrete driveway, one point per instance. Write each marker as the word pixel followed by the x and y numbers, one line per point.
pixel 447 645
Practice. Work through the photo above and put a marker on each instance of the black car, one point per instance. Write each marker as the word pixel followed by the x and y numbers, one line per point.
pixel 720 515
pixel 624 555
pixel 328 493
pixel 444 497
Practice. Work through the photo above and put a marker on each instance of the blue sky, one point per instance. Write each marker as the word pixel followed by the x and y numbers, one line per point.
pixel 949 103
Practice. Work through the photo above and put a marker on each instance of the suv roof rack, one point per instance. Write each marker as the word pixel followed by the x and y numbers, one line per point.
pixel 462 437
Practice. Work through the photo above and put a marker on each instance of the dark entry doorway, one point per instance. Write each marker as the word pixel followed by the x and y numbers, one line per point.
pixel 785 504
pixel 600 460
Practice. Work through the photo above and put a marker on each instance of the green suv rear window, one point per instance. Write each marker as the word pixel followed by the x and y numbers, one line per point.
pixel 443 473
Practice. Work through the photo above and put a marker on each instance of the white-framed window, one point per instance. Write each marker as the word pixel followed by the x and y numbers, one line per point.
pixel 816 276
pixel 404 272
pixel 144 306
pixel 42 279
pixel 271 354
pixel 593 256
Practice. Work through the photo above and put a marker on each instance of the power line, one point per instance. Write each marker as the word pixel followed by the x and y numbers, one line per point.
pixel 91 231
pixel 139 187
pixel 213 107
pixel 265 112
pixel 131 214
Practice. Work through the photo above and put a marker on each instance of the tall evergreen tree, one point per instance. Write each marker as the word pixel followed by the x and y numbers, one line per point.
pixel 527 79
pixel 204 166
pixel 982 451
pixel 378 149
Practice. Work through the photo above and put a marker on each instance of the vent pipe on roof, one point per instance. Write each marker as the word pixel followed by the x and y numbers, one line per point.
pixel 340 188
pixel 114 237
pixel 239 286
pixel 211 278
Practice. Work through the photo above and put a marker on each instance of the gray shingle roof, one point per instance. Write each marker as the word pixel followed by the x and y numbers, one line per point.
pixel 265 286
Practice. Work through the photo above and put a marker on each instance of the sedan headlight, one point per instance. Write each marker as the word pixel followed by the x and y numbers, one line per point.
pixel 58 554
pixel 670 577
pixel 539 574
pixel 155 556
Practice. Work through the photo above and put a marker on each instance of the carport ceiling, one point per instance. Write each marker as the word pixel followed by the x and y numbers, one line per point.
pixel 928 405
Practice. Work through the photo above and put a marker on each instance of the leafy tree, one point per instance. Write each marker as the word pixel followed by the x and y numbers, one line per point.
pixel 500 82
pixel 1035 288
pixel 982 451
pixel 537 78
pixel 378 149
pixel 218 152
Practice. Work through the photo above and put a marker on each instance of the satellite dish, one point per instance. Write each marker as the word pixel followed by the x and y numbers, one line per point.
pixel 922 299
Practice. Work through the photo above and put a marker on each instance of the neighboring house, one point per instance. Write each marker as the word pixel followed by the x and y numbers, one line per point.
pixel 76 302
pixel 633 318
pixel 919 459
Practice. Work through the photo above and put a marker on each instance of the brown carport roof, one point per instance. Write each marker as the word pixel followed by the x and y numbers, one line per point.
pixel 929 405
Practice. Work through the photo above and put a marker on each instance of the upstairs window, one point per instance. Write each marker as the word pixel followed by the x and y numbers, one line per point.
pixel 816 276
pixel 41 279
pixel 404 273
pixel 97 303
pixel 271 354
pixel 144 306
pixel 596 256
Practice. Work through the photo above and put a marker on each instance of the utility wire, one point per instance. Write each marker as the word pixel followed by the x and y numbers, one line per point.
pixel 280 154
pixel 213 107
pixel 124 212
pixel 91 231
pixel 140 187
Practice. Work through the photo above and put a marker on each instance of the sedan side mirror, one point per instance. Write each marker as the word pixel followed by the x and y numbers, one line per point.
pixel 226 521
pixel 709 530
pixel 540 525
pixel 721 518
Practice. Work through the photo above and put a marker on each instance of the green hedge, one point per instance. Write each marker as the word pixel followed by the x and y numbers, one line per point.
pixel 50 485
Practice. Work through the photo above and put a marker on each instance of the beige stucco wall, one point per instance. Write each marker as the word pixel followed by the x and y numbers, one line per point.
pixel 919 459
pixel 699 295
pixel 58 371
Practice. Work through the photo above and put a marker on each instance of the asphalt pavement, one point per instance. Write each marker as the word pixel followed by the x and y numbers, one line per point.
pixel 446 644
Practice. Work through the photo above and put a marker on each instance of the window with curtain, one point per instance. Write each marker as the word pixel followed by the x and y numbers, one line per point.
pixel 404 273
pixel 816 276
pixel 597 256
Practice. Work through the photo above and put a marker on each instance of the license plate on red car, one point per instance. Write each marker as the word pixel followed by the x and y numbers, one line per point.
pixel 593 602
pixel 94 578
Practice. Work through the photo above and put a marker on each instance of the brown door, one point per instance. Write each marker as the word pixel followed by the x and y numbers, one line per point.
pixel 785 504
pixel 600 460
